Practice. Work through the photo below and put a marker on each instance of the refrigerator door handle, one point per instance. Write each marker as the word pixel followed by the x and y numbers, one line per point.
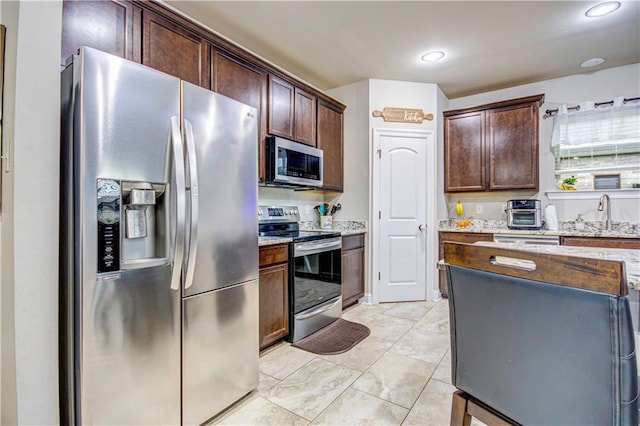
pixel 175 139
pixel 193 177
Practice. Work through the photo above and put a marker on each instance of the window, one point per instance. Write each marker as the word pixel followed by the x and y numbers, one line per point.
pixel 599 144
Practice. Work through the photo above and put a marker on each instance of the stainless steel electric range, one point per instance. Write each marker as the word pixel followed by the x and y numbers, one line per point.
pixel 315 270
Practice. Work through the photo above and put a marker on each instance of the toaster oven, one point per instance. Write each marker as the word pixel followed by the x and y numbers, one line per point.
pixel 524 214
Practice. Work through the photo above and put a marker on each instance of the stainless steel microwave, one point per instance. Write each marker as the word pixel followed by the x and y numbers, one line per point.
pixel 292 163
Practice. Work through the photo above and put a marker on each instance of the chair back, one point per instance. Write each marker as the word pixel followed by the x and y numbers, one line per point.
pixel 540 338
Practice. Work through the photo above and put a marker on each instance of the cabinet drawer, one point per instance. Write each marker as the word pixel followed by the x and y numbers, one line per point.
pixel 621 243
pixel 464 237
pixel 269 255
pixel 350 242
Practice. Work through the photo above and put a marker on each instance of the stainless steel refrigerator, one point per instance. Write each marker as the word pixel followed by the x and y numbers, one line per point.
pixel 158 246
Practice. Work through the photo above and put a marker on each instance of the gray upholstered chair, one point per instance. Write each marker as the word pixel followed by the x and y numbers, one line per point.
pixel 539 339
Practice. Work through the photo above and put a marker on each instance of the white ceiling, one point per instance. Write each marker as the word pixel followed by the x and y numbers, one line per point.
pixel 489 45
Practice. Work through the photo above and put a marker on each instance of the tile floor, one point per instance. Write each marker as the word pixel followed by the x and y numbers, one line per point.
pixel 399 375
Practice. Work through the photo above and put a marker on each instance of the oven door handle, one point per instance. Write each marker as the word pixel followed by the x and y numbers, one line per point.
pixel 321 309
pixel 302 249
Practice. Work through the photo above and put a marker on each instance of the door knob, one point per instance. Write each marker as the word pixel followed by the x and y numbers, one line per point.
pixel 422 227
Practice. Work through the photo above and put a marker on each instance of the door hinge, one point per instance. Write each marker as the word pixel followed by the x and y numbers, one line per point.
pixel 379 276
pixel 379 214
pixel 379 153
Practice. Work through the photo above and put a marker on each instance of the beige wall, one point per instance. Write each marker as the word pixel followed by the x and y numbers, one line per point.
pixel 355 198
pixel 9 18
pixel 362 98
pixel 30 213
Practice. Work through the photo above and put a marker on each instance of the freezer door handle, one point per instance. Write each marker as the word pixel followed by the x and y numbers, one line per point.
pixel 193 222
pixel 175 139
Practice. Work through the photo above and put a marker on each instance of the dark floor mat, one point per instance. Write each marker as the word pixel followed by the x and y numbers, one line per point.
pixel 336 338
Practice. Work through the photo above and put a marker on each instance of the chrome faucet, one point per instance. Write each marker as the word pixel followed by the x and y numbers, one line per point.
pixel 604 197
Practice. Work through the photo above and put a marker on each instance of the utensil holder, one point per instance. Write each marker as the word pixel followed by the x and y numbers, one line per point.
pixel 326 222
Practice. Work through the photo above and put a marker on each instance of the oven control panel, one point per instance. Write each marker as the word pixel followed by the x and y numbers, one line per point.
pixel 278 214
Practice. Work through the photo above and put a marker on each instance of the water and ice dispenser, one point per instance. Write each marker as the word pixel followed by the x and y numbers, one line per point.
pixel 131 224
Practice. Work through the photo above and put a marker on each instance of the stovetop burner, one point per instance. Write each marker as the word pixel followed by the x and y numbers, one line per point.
pixel 275 221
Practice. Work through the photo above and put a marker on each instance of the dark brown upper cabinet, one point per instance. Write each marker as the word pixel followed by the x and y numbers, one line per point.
pixel 492 147
pixel 246 83
pixel 102 25
pixel 292 111
pixel 175 50
pixel 464 163
pixel 281 107
pixel 330 140
pixel 149 33
pixel 304 122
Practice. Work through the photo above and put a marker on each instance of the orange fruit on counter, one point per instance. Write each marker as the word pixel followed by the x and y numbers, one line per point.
pixel 463 223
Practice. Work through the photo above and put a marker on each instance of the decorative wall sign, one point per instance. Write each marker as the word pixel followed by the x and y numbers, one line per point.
pixel 403 115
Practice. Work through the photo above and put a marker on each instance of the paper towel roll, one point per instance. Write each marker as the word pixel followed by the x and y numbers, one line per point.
pixel 551 218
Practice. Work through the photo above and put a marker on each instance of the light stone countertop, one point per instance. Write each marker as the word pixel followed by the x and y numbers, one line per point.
pixel 590 229
pixel 271 241
pixel 345 227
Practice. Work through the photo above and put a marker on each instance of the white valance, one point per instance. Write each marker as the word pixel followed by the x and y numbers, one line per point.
pixel 614 122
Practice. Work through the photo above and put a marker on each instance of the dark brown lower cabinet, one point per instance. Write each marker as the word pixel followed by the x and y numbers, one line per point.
pixel 352 269
pixel 622 243
pixel 457 237
pixel 273 323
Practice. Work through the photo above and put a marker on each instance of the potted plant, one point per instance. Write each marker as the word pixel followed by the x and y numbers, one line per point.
pixel 569 184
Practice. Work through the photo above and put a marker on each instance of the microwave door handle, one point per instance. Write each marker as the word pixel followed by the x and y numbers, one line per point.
pixel 175 140
pixel 193 176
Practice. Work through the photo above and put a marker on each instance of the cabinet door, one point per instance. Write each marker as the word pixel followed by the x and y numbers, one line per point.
pixel 621 243
pixel 330 141
pixel 304 121
pixel 245 83
pixel 457 237
pixel 175 50
pixel 512 144
pixel 281 107
pixel 352 276
pixel 273 323
pixel 103 25
pixel 464 164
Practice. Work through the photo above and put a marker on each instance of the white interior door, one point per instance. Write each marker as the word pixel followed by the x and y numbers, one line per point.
pixel 402 216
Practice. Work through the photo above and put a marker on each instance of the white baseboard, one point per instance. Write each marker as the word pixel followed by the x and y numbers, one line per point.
pixel 367 299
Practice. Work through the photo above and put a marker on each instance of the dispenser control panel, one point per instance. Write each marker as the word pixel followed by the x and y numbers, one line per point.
pixel 108 203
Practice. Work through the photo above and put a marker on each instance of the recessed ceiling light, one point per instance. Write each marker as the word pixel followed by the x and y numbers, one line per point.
pixel 592 62
pixel 602 9
pixel 434 56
